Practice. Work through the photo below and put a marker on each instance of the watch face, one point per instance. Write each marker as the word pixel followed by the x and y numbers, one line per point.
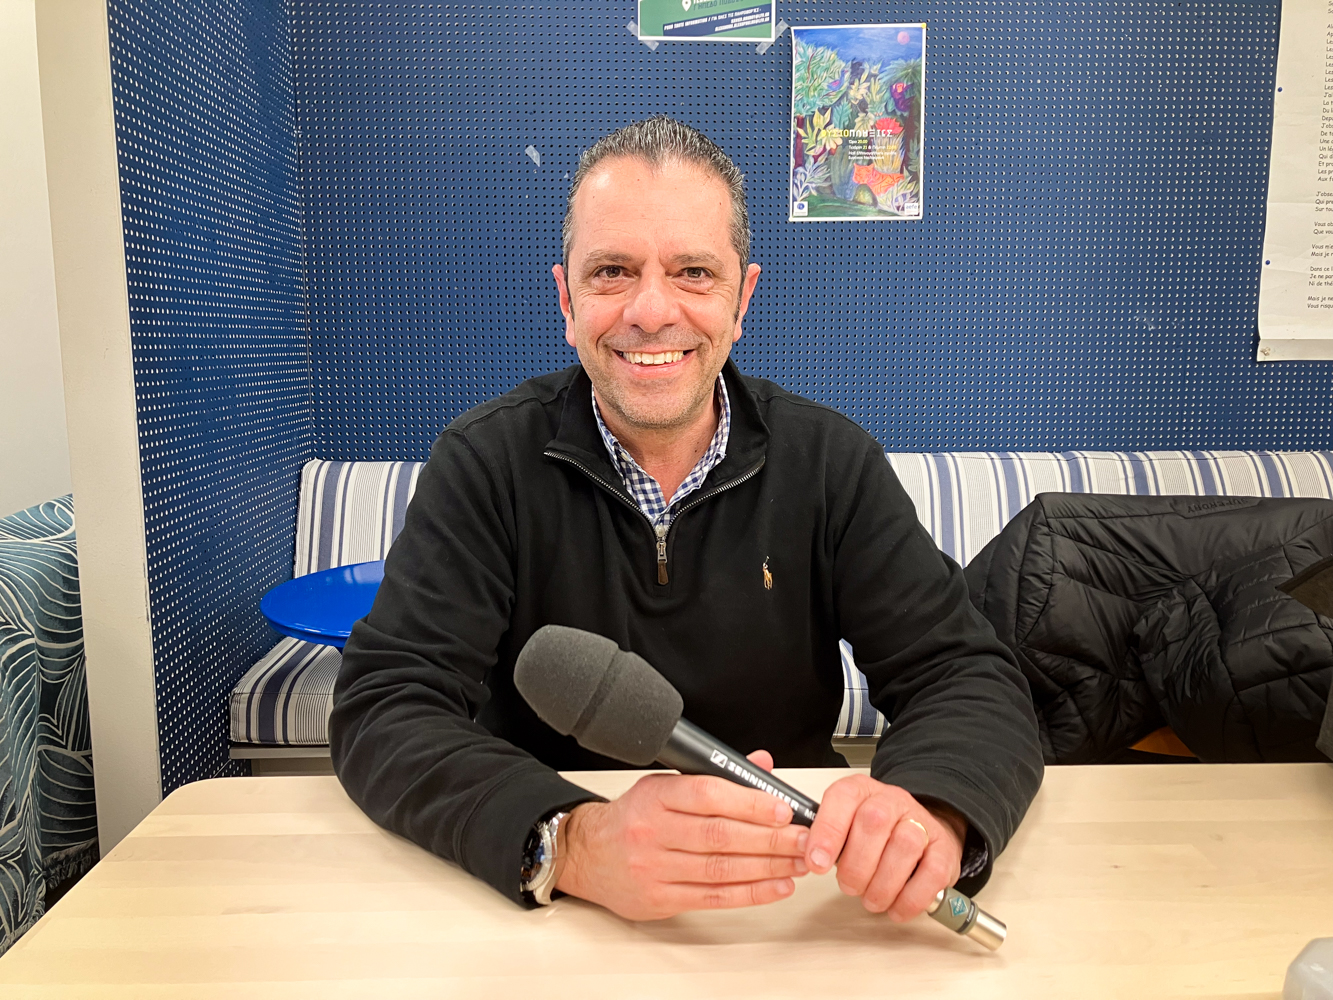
pixel 539 856
pixel 533 855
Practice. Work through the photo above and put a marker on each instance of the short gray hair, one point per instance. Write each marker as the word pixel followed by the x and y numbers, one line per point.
pixel 658 141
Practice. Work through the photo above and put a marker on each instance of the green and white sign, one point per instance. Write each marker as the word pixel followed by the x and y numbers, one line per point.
pixel 706 20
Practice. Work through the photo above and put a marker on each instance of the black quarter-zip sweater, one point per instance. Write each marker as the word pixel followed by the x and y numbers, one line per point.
pixel 519 521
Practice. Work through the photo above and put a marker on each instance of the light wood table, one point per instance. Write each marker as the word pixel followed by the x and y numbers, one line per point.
pixel 1157 881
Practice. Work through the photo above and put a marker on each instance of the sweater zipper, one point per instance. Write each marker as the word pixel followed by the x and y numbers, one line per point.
pixel 660 532
pixel 664 532
pixel 662 577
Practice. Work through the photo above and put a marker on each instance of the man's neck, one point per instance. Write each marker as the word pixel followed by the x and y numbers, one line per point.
pixel 666 454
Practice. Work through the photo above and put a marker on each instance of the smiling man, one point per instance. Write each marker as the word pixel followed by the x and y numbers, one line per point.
pixel 726 530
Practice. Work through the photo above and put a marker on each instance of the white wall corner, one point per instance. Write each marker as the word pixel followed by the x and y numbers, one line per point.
pixel 93 306
pixel 34 447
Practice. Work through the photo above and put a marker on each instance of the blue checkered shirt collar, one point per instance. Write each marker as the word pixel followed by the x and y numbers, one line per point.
pixel 643 487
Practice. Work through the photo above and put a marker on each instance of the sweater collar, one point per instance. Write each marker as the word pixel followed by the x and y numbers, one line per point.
pixel 579 439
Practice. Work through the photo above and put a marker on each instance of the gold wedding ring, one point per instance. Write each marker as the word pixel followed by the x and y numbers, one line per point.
pixel 920 826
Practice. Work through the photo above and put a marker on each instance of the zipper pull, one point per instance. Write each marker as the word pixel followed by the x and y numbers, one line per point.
pixel 661 554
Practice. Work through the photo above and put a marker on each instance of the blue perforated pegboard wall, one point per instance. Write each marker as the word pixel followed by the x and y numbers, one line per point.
pixel 208 171
pixel 1086 274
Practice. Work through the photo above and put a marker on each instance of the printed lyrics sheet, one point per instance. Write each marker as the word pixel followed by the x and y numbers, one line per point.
pixel 1296 285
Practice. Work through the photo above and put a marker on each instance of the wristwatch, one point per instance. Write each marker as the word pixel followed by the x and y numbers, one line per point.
pixel 539 859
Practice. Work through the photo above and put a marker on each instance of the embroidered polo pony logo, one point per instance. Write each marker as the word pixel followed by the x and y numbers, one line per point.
pixel 768 577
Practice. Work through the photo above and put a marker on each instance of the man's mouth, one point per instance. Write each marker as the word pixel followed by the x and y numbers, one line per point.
pixel 664 358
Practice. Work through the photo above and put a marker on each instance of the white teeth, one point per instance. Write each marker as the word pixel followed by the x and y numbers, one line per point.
pixel 634 357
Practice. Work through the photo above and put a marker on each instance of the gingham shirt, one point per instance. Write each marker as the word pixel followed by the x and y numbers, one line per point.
pixel 643 487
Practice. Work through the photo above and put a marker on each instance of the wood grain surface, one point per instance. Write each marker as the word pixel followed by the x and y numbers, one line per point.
pixel 1145 881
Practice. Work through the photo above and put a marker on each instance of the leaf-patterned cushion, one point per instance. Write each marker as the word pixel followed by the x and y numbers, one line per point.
pixel 48 817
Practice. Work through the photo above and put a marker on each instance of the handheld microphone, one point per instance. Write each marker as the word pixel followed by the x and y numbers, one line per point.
pixel 614 703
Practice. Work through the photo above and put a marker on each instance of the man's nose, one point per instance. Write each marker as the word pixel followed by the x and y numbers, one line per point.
pixel 653 304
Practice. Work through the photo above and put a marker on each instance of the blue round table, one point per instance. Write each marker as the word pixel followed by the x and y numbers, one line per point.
pixel 322 607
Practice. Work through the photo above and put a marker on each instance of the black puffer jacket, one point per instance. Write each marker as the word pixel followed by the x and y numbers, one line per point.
pixel 1130 613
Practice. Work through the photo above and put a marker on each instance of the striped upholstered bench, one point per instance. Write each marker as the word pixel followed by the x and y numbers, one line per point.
pixel 351 511
pixel 348 512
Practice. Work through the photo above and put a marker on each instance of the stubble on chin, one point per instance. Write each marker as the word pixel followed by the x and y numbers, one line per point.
pixel 648 411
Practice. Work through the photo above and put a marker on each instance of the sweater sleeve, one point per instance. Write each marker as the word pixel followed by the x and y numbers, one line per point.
pixel 962 730
pixel 401 733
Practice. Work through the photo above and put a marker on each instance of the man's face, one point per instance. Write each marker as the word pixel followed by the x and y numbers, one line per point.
pixel 655 293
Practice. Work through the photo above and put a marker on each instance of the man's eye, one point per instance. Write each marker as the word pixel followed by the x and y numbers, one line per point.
pixel 610 271
pixel 695 273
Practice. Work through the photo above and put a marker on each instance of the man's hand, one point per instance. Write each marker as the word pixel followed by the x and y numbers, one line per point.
pixel 682 842
pixel 890 850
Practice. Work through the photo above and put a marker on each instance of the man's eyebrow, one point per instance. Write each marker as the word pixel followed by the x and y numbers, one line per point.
pixel 604 258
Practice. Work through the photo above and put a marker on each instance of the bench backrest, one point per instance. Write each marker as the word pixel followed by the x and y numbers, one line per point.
pixel 351 512
pixel 964 499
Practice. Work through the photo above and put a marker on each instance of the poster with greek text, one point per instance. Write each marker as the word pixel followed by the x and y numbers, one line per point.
pixel 706 20
pixel 857 122
pixel 1296 276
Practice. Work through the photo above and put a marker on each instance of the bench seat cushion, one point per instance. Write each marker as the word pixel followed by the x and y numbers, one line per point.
pixel 284 700
pixel 351 512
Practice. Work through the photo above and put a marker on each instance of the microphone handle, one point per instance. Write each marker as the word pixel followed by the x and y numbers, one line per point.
pixel 690 750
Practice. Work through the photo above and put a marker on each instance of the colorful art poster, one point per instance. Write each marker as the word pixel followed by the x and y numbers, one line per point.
pixel 706 20
pixel 857 122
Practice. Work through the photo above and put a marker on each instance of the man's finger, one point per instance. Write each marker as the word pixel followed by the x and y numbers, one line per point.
pixel 705 795
pixel 726 869
pixel 832 823
pixel 719 835
pixel 680 896
pixel 867 841
pixel 761 758
pixel 902 854
pixel 936 870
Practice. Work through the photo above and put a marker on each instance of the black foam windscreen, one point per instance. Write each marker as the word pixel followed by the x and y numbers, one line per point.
pixel 584 685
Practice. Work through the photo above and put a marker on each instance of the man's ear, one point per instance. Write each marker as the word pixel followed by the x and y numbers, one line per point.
pixel 566 303
pixel 747 291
